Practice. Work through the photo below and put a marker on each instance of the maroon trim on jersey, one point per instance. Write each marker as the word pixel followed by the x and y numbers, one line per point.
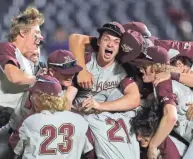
pixel 125 82
pixel 88 57
pixel 165 93
pixel 184 48
pixel 91 154
pixel 168 150
pixel 7 54
pixel 14 138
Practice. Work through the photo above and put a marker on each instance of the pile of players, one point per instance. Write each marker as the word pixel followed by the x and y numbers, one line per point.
pixel 122 95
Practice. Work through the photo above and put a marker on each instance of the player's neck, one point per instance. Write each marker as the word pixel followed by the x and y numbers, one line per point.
pixel 20 46
pixel 104 64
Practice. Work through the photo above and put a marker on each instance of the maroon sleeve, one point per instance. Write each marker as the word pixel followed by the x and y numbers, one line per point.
pixel 91 154
pixel 7 54
pixel 185 48
pixel 14 138
pixel 125 82
pixel 88 57
pixel 168 150
pixel 165 93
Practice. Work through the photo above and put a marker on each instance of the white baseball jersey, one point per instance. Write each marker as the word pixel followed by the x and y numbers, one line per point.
pixel 10 93
pixel 58 135
pixel 111 135
pixel 105 80
pixel 184 96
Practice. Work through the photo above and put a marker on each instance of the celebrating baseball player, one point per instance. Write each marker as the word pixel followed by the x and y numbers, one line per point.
pixel 54 131
pixel 184 96
pixel 110 130
pixel 63 66
pixel 105 71
pixel 16 71
pixel 144 125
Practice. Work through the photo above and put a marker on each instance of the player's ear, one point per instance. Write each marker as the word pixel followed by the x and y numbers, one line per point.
pixel 22 32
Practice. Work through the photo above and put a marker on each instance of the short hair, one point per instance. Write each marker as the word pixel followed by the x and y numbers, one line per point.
pixel 31 16
pixel 145 122
pixel 185 60
pixel 51 103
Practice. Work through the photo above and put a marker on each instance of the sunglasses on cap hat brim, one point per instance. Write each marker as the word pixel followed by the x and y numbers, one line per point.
pixel 68 64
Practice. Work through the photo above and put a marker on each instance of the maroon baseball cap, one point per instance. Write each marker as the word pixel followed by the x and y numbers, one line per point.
pixel 113 27
pixel 46 84
pixel 131 46
pixel 154 54
pixel 64 62
pixel 137 26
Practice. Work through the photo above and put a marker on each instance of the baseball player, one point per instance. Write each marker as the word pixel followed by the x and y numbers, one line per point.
pixel 144 125
pixel 185 76
pixel 63 66
pixel 54 131
pixel 19 111
pixel 183 95
pixel 16 71
pixel 111 135
pixel 108 75
pixel 164 94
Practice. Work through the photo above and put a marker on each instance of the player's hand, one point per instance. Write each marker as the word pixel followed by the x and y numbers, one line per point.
pixel 152 153
pixel 85 79
pixel 90 103
pixel 160 77
pixel 189 113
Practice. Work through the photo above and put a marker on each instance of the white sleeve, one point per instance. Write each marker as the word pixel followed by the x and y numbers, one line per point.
pixel 19 148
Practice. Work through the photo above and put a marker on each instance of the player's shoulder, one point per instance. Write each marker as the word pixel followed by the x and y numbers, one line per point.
pixel 75 115
pixel 7 48
pixel 32 117
pixel 119 67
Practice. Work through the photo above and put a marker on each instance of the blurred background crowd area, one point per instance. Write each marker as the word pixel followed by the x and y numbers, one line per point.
pixel 166 19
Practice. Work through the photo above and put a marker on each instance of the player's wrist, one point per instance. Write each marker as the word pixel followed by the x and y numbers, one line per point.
pixel 152 145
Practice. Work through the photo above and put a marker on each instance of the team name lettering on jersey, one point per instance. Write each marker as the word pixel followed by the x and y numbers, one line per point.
pixel 106 85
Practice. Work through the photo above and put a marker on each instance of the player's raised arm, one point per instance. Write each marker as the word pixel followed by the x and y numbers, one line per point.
pixel 78 44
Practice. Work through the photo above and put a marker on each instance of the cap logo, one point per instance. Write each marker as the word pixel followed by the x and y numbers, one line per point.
pixel 68 59
pixel 187 45
pixel 126 48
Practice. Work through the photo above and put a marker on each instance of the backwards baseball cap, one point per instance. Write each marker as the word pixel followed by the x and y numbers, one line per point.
pixel 113 27
pixel 154 54
pixel 64 62
pixel 131 46
pixel 139 27
pixel 46 84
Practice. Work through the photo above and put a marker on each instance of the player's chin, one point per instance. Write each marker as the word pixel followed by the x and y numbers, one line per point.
pixel 144 145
